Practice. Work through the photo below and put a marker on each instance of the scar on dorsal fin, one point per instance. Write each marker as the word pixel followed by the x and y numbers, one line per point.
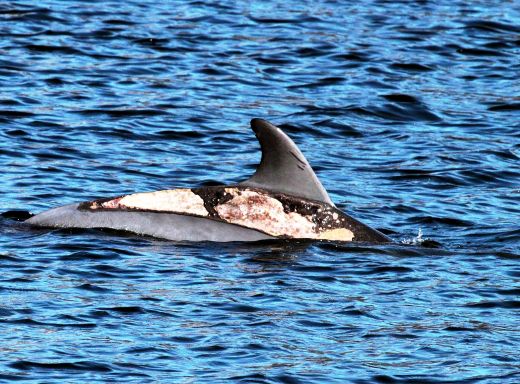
pixel 283 167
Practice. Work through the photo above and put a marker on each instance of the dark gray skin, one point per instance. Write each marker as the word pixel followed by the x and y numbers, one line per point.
pixel 284 173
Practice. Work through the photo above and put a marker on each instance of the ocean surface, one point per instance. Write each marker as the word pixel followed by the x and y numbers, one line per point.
pixel 409 112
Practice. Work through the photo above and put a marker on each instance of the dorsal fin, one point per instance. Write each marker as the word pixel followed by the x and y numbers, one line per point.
pixel 283 167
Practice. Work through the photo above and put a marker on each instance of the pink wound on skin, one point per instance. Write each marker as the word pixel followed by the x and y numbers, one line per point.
pixel 259 211
pixel 112 204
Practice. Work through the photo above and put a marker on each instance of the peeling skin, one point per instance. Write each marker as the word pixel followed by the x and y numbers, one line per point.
pixel 112 204
pixel 278 215
pixel 259 211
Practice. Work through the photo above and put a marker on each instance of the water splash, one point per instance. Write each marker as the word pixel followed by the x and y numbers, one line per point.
pixel 418 240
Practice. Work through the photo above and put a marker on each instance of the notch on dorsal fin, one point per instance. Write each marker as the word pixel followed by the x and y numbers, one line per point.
pixel 283 167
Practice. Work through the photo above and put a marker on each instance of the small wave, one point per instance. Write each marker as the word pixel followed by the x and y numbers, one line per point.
pixel 411 67
pixel 506 304
pixel 450 221
pixel 32 322
pixel 92 288
pixel 53 49
pixel 130 310
pixel 122 112
pixel 491 26
pixel 26 365
pixel 15 114
pixel 401 98
pixel 479 52
pixel 505 107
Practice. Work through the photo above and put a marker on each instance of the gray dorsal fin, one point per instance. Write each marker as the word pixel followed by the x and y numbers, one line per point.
pixel 283 167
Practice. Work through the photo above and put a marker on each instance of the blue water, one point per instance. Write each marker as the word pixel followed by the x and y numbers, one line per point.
pixel 409 111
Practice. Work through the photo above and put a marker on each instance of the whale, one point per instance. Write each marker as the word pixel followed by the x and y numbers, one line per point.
pixel 283 199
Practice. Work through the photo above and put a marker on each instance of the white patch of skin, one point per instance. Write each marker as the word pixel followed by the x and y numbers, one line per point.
pixel 259 211
pixel 172 200
pixel 338 234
